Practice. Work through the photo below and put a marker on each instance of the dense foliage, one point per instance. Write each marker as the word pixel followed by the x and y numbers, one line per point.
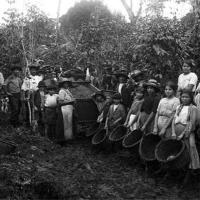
pixel 91 36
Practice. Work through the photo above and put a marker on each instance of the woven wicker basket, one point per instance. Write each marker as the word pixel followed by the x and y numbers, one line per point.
pixel 92 130
pixel 117 135
pixel 147 147
pixel 131 141
pixel 173 153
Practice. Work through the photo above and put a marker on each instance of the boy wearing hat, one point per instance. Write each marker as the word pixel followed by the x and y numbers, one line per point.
pixel 116 114
pixel 12 87
pixel 50 115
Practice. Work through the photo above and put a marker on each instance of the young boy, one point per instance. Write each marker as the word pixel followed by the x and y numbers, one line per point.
pixel 50 111
pixel 116 114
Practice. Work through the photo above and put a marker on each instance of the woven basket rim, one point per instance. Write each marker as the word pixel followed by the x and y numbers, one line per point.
pixel 94 143
pixel 130 146
pixel 177 155
pixel 110 136
pixel 94 131
pixel 140 148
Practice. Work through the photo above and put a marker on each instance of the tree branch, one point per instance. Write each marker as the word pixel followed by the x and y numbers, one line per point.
pixel 128 10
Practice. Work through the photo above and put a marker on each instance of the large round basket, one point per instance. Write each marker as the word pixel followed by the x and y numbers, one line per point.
pixel 117 135
pixel 132 140
pixel 92 130
pixel 147 147
pixel 173 153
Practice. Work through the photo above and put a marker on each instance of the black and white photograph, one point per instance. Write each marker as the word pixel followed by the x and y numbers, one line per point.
pixel 99 99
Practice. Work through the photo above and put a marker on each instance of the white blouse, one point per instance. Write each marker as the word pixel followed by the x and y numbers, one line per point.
pixel 183 115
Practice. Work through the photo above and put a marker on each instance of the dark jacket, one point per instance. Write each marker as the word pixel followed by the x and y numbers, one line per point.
pixel 126 96
pixel 37 100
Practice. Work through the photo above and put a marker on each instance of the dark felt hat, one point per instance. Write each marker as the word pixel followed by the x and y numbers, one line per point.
pixel 32 66
pixel 99 93
pixel 41 84
pixel 51 87
pixel 16 67
pixel 121 74
pixel 117 96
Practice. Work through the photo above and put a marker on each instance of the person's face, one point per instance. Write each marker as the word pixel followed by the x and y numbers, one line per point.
pixel 139 95
pixel 51 92
pixel 169 92
pixel 41 88
pixel 16 72
pixel 150 90
pixel 122 79
pixel 116 101
pixel 33 72
pixel 185 99
pixel 186 68
pixel 66 85
pixel 99 98
pixel 108 99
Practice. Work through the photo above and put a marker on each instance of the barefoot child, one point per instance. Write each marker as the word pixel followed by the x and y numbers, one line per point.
pixel 166 110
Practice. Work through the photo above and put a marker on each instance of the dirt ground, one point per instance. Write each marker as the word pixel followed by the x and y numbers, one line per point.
pixel 39 169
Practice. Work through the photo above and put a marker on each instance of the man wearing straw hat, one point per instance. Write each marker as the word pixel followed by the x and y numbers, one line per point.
pixel 12 87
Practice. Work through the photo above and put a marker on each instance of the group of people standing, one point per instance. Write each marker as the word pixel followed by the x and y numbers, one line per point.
pixel 172 114
pixel 137 104
pixel 35 99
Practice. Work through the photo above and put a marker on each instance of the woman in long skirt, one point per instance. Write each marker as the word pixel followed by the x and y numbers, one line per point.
pixel 64 125
pixel 184 126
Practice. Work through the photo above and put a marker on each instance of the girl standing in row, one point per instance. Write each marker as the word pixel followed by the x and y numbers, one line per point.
pixel 166 110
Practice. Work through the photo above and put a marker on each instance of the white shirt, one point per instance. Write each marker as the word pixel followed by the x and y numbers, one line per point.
pixel 1 79
pixel 115 107
pixel 120 87
pixel 187 79
pixel 51 100
pixel 183 115
pixel 31 83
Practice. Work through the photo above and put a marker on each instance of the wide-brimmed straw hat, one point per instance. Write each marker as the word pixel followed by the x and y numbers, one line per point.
pixel 99 93
pixel 136 73
pixel 153 83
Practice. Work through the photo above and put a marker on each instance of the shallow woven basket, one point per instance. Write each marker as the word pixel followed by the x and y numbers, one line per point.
pixel 92 130
pixel 147 147
pixel 99 137
pixel 132 140
pixel 118 134
pixel 173 153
